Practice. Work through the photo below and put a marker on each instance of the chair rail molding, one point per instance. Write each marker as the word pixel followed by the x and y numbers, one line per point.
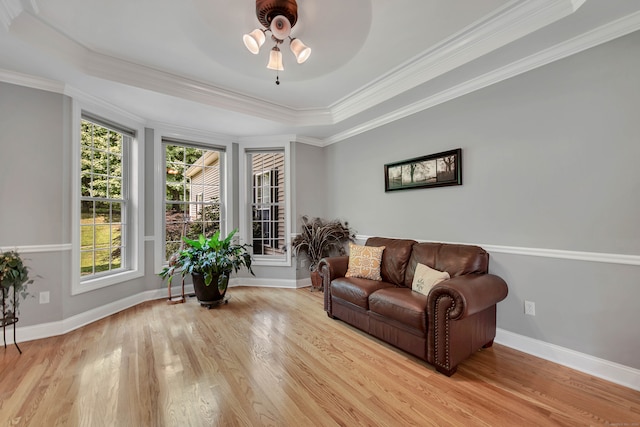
pixel 546 253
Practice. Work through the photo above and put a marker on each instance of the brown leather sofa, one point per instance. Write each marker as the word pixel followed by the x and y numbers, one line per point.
pixel 455 319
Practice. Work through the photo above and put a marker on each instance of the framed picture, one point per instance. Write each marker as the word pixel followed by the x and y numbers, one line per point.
pixel 435 170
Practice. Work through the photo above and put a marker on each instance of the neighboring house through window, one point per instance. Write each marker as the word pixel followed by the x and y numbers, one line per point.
pixel 192 202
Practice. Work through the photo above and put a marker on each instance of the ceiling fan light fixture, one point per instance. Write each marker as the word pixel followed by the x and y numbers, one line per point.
pixel 300 50
pixel 275 59
pixel 279 17
pixel 254 40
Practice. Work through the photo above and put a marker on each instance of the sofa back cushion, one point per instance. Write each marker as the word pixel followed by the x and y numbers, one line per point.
pixel 394 258
pixel 454 259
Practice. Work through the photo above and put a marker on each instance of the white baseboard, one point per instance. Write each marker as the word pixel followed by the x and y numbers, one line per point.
pixel 52 329
pixel 270 283
pixel 610 371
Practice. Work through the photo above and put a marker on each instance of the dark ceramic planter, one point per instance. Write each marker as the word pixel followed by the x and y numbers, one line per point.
pixel 208 295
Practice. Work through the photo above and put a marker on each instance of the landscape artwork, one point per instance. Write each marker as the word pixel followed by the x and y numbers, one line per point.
pixel 434 170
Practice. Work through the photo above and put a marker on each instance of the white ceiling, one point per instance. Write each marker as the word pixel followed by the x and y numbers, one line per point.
pixel 184 63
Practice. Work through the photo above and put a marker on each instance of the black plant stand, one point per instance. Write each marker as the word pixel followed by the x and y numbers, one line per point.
pixel 8 319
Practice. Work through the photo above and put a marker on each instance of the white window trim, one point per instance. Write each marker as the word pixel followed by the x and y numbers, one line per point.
pixel 135 268
pixel 226 173
pixel 246 193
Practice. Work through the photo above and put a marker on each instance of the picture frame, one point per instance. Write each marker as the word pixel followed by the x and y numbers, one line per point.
pixel 435 170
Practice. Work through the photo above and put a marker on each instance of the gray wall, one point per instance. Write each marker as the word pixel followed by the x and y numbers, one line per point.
pixel 550 160
pixel 33 192
pixel 35 178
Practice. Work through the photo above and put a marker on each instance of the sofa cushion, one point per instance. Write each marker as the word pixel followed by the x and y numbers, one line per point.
pixel 421 253
pixel 356 290
pixel 402 305
pixel 454 259
pixel 394 259
pixel 426 278
pixel 364 261
pixel 462 259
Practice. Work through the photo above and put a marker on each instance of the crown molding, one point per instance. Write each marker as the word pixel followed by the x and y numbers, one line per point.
pixel 90 100
pixel 107 67
pixel 33 82
pixel 512 21
pixel 600 35
pixel 310 141
pixel 183 132
pixel 520 16
pixel 509 23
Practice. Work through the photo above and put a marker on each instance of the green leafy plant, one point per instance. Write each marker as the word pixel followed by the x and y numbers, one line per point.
pixel 14 278
pixel 210 257
pixel 319 237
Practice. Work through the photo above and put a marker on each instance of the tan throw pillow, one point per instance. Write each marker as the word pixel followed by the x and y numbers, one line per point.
pixel 365 261
pixel 426 277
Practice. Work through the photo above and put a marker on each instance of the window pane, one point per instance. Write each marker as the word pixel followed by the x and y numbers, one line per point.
pixel 102 179
pixel 115 143
pixel 115 188
pixel 192 194
pixel 116 213
pixel 102 262
pixel 115 165
pixel 268 204
pixel 86 236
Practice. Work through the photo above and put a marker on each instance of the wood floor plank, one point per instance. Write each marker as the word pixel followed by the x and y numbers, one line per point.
pixel 272 357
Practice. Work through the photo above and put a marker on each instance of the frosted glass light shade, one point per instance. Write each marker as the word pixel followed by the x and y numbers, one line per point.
pixel 300 50
pixel 280 27
pixel 275 60
pixel 254 40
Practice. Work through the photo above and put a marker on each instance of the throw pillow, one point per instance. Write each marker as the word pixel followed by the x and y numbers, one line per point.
pixel 426 277
pixel 365 261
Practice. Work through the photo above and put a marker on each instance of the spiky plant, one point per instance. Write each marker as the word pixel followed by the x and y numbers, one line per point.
pixel 319 237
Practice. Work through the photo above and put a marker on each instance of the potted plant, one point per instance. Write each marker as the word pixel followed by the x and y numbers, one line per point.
pixel 320 238
pixel 14 278
pixel 210 262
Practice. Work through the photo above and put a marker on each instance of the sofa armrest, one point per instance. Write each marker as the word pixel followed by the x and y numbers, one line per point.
pixel 472 293
pixel 462 318
pixel 333 267
pixel 329 269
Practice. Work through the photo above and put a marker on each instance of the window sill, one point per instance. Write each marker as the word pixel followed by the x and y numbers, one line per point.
pixel 89 285
pixel 271 262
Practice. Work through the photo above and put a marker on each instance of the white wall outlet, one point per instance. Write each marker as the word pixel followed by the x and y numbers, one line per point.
pixel 44 297
pixel 530 308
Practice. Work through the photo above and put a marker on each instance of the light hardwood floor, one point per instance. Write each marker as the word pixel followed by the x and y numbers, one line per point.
pixel 273 357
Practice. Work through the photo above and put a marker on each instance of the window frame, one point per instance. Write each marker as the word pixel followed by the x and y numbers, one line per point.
pixel 196 202
pixel 255 145
pixel 259 198
pixel 197 139
pixel 133 175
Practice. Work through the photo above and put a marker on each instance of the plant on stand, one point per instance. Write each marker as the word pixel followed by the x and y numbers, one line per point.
pixel 210 262
pixel 14 278
pixel 320 238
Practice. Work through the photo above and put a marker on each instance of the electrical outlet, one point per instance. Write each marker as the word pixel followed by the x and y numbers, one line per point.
pixel 44 297
pixel 530 308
